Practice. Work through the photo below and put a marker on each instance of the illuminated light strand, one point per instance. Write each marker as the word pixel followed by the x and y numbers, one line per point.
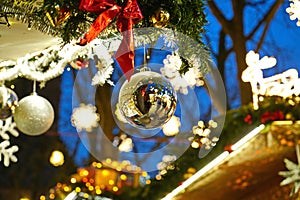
pixel 285 84
pixel 214 163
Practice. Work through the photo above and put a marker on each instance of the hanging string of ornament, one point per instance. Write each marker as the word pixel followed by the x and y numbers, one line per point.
pixel 127 15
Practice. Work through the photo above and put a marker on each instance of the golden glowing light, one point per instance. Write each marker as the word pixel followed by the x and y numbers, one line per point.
pixel 105 172
pixel 115 188
pixel 123 177
pixel 108 160
pixel 84 172
pixel 91 188
pixel 86 195
pixel 144 174
pixel 51 196
pixel 42 197
pixel 148 182
pixel 158 177
pixel 111 182
pixel 78 189
pixel 98 191
pixel 57 158
pixel 66 189
pixel 73 180
pixel 99 165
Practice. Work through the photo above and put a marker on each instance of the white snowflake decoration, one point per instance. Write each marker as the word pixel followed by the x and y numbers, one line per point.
pixel 8 126
pixel 123 143
pixel 294 11
pixel 166 164
pixel 202 135
pixel 171 128
pixel 8 153
pixel 84 118
pixel 103 76
pixel 172 64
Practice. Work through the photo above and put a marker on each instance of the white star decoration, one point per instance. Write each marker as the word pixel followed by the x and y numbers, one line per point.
pixel 291 176
pixel 84 118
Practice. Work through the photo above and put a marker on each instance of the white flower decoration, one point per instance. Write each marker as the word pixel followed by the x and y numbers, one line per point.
pixel 84 118
pixel 172 64
pixel 294 11
pixel 103 76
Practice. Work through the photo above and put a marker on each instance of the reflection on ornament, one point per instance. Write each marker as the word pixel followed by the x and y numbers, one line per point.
pixel 8 102
pixel 285 84
pixel 34 115
pixel 57 158
pixel 85 117
pixel 148 100
pixel 161 18
pixel 58 15
pixel 171 128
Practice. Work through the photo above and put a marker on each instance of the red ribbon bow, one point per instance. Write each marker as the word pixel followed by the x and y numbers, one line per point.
pixel 128 15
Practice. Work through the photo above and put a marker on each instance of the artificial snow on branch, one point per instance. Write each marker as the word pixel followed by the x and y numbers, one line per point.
pixel 7 153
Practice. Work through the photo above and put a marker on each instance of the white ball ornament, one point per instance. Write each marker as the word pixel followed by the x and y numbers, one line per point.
pixel 34 115
pixel 147 100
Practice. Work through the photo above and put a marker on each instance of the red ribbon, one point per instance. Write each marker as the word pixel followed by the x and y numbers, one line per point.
pixel 128 15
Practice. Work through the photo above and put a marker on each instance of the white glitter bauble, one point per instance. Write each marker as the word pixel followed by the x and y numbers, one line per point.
pixel 148 100
pixel 34 115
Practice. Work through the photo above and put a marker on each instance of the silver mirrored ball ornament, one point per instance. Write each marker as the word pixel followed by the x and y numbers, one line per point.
pixel 34 115
pixel 8 102
pixel 147 100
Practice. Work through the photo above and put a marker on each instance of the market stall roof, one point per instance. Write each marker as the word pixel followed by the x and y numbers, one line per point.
pixel 16 40
pixel 250 174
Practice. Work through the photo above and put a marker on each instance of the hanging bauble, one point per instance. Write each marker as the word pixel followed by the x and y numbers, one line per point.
pixel 160 18
pixel 148 100
pixel 58 15
pixel 8 102
pixel 34 115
